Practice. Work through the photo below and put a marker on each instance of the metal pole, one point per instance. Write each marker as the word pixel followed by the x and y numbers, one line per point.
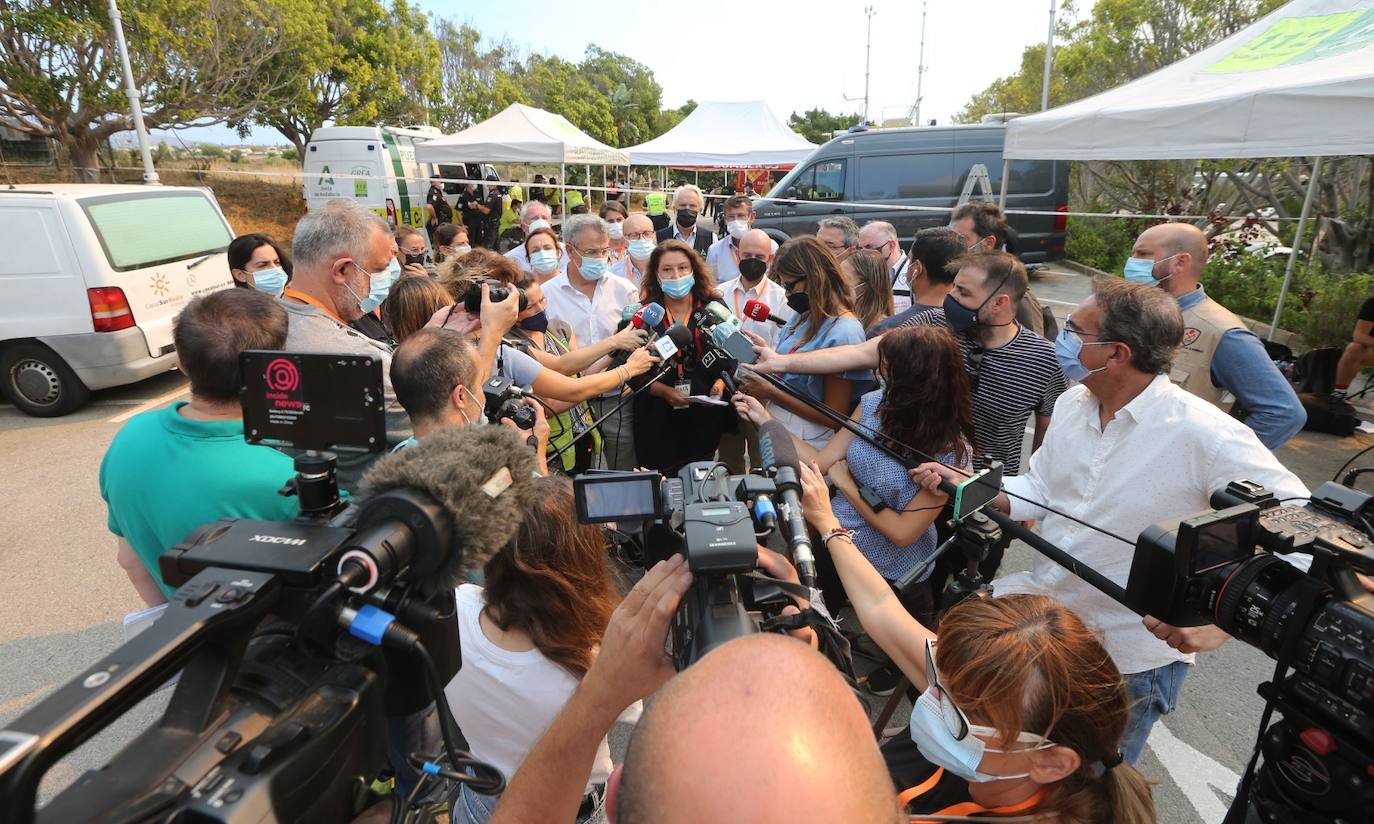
pixel 1006 176
pixel 589 187
pixel 144 146
pixel 920 66
pixel 1049 58
pixel 868 52
pixel 1296 245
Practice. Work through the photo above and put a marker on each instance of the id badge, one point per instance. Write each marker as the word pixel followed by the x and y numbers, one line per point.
pixel 685 389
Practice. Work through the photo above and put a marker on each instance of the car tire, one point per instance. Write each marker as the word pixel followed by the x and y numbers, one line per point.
pixel 39 382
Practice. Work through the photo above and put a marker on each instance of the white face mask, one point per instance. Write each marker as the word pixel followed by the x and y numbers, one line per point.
pixel 737 229
pixel 538 223
pixel 616 230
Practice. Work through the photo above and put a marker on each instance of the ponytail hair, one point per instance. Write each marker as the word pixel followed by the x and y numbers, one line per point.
pixel 1027 662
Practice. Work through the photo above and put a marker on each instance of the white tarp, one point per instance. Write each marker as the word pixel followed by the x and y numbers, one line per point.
pixel 521 134
pixel 725 136
pixel 1298 82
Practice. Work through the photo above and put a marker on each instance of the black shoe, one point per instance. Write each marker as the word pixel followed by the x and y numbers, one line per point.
pixel 882 681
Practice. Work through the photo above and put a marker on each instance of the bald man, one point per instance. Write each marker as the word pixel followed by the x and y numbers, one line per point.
pixel 640 240
pixel 720 742
pixel 1219 356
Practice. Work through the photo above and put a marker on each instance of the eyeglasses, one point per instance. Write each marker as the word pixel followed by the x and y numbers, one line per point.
pixel 645 235
pixel 835 247
pixel 957 722
pixel 877 248
pixel 1073 327
pixel 789 285
pixel 594 253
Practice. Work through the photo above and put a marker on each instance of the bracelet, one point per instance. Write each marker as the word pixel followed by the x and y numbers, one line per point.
pixel 836 533
pixel 625 379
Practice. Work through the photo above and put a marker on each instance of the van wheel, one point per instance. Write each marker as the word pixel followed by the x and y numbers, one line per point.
pixel 39 382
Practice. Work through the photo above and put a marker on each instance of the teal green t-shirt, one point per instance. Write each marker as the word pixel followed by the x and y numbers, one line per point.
pixel 165 475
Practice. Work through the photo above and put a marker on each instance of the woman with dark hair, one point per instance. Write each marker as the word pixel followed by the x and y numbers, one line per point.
pixel 1022 711
pixel 673 425
pixel 923 409
pixel 866 273
pixel 257 262
pixel 528 636
pixel 412 303
pixel 450 240
pixel 816 291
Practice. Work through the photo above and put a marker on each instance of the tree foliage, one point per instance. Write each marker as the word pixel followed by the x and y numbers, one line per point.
pixel 819 125
pixel 195 62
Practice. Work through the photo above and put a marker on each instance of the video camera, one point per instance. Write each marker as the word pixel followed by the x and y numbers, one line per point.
pixel 294 640
pixel 506 400
pixel 1205 569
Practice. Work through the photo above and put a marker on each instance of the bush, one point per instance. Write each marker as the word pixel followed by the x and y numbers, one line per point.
pixel 1102 243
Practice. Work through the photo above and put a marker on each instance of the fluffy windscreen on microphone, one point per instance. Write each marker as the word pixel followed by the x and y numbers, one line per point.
pixel 721 314
pixel 481 475
pixel 776 448
pixel 629 312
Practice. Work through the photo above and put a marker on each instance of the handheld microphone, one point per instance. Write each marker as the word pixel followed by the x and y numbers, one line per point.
pixel 779 458
pixel 650 317
pixel 758 310
pixel 479 480
pixel 676 340
pixel 725 331
pixel 627 314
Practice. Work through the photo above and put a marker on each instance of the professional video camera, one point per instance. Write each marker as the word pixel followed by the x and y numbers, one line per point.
pixel 716 520
pixel 294 640
pixel 506 400
pixel 1319 758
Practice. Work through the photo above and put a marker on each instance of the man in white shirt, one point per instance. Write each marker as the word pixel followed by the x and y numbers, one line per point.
pixel 640 241
pixel 1126 449
pixel 881 237
pixel 589 298
pixel 535 215
pixel 724 255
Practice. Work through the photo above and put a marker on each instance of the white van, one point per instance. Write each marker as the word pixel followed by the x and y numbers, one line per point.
pixel 92 277
pixel 376 166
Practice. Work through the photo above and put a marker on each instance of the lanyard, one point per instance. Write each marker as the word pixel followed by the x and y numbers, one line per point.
pixel 304 298
pixel 963 808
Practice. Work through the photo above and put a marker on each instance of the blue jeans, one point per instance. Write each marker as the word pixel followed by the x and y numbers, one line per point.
pixel 406 734
pixel 468 807
pixel 1153 693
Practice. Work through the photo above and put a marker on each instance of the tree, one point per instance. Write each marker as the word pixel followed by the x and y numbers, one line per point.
pixel 477 80
pixel 818 125
pixel 633 95
pixel 161 154
pixel 555 85
pixel 352 62
pixel 195 62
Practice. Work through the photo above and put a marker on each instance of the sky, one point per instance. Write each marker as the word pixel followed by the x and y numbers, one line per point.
pixel 796 54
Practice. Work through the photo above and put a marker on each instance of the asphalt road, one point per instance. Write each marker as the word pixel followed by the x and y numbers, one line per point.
pixel 63 597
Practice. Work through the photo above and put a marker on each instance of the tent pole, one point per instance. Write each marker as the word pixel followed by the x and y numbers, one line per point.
pixel 1006 177
pixel 589 187
pixel 1296 245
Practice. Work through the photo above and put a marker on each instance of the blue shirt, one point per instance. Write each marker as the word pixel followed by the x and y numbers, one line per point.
pixel 1242 367
pixel 874 468
pixel 834 332
pixel 164 475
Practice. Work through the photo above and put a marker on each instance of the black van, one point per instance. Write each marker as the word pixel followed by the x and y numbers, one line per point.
pixel 926 166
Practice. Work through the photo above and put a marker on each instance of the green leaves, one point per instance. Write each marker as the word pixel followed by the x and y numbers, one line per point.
pixel 818 125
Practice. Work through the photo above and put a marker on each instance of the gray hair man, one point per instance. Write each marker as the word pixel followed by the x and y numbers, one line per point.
pixel 1112 439
pixel 588 297
pixel 535 215
pixel 839 234
pixel 1219 355
pixel 687 203
pixel 881 237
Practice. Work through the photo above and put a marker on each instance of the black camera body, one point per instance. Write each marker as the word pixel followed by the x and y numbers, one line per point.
pixel 1205 569
pixel 708 516
pixel 504 400
pixel 472 299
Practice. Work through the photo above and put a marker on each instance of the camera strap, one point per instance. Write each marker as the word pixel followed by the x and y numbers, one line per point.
pixel 816 616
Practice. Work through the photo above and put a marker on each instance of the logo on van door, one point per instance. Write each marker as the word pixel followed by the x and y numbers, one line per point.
pixel 161 285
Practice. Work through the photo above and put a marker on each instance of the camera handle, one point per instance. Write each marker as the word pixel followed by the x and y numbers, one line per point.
pixel 1101 582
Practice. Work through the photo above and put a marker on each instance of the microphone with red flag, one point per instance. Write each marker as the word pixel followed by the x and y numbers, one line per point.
pixel 758 310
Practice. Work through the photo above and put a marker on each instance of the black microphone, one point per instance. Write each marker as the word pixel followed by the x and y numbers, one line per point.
pixel 779 458
pixel 477 480
pixel 673 342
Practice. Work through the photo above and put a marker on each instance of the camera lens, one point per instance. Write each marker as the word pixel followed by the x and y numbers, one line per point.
pixel 1257 600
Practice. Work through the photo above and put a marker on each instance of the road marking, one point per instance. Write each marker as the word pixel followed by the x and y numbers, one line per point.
pixel 152 404
pixel 1199 776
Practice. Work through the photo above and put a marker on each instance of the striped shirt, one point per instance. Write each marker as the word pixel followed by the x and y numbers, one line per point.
pixel 1014 381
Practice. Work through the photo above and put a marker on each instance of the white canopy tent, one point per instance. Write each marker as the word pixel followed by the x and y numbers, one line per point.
pixel 725 136
pixel 521 134
pixel 1299 81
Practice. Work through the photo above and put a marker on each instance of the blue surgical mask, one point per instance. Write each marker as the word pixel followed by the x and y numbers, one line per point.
pixel 381 286
pixel 544 261
pixel 1142 270
pixel 642 248
pixel 939 746
pixel 679 288
pixel 1067 349
pixel 592 268
pixel 272 281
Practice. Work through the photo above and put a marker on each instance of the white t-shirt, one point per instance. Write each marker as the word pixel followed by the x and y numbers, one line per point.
pixel 504 701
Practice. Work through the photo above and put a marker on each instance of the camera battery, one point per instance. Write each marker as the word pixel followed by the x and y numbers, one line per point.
pixel 720 538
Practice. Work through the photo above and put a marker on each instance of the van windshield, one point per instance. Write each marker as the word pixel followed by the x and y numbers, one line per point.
pixel 143 229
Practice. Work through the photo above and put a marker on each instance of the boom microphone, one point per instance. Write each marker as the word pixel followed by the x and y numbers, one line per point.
pixel 758 310
pixel 480 476
pixel 779 457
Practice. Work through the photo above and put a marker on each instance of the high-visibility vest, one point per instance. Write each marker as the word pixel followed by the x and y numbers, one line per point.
pixel 656 203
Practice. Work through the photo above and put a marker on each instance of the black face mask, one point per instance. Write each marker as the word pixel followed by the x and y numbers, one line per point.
pixel 686 218
pixel 752 269
pixel 799 302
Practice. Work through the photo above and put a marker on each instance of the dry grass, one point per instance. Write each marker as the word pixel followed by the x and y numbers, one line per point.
pixel 252 204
